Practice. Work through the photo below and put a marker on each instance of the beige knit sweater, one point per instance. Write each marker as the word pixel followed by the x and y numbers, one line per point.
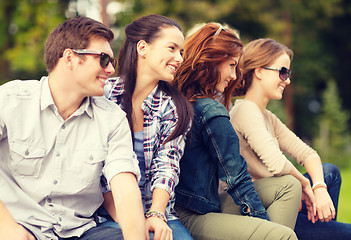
pixel 263 139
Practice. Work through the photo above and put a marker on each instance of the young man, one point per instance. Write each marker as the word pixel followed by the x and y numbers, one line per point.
pixel 56 140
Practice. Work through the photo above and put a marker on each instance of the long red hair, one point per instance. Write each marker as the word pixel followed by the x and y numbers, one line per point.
pixel 203 52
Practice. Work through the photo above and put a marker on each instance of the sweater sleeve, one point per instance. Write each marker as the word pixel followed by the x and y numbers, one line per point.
pixel 249 121
pixel 289 142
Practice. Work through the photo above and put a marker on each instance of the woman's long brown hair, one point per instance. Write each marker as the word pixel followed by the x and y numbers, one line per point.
pixel 148 28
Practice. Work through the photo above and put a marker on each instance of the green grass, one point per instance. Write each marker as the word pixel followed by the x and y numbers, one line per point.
pixel 344 212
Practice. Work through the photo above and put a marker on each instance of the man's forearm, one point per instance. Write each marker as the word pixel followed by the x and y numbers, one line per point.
pixel 5 216
pixel 129 209
pixel 9 228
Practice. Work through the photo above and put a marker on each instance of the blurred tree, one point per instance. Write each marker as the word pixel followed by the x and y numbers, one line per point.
pixel 334 140
pixel 312 60
pixel 337 41
pixel 6 41
pixel 24 28
pixel 186 13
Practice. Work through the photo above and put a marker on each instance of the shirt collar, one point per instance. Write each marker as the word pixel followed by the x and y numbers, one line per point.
pixel 152 101
pixel 45 97
pixel 46 100
pixel 86 106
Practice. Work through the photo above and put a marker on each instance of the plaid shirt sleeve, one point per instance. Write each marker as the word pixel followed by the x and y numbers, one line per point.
pixel 165 169
pixel 165 164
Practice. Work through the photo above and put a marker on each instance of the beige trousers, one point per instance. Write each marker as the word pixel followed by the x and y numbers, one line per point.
pixel 281 197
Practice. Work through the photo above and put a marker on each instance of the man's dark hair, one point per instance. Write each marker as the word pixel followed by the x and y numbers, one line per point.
pixel 74 33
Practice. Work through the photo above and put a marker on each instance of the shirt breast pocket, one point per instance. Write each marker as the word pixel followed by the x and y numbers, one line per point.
pixel 26 160
pixel 88 164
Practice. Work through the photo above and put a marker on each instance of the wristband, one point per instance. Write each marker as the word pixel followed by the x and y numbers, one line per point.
pixel 319 185
pixel 154 213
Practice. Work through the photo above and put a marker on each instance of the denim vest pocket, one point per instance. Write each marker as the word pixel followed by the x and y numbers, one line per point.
pixel 88 165
pixel 26 160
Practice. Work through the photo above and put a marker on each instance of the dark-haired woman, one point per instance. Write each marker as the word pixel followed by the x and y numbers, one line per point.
pixel 158 114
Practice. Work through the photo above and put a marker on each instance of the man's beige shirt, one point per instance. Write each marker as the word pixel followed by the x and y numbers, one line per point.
pixel 50 168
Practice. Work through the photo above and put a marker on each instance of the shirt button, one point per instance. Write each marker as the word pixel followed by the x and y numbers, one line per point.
pixel 49 200
pixel 63 126
pixel 57 154
pixel 55 182
pixel 26 152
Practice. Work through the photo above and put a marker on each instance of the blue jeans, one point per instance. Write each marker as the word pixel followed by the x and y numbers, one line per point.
pixel 178 230
pixel 97 233
pixel 100 233
pixel 305 229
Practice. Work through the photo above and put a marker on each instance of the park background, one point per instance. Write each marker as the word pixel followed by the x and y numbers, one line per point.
pixel 316 105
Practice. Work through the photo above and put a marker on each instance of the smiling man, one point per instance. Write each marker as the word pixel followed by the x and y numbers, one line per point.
pixel 58 136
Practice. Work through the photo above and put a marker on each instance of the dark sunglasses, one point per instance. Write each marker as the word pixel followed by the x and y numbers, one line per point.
pixel 284 73
pixel 105 59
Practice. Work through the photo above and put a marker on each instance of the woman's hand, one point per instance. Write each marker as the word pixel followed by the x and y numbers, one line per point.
pixel 309 199
pixel 161 230
pixel 324 205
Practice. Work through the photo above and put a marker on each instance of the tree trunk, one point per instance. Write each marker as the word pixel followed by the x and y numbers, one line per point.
pixel 289 91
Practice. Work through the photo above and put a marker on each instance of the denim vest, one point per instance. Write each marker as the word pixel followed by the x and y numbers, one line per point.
pixel 212 153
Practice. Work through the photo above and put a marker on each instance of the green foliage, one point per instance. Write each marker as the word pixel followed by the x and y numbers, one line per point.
pixel 344 212
pixel 277 107
pixel 24 29
pixel 334 141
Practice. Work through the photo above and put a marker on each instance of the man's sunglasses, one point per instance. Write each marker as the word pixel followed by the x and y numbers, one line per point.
pixel 284 73
pixel 105 59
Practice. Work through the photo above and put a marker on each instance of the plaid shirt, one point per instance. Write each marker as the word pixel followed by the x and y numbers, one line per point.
pixel 161 159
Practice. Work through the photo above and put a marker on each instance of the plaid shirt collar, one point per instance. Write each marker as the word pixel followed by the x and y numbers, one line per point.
pixel 152 101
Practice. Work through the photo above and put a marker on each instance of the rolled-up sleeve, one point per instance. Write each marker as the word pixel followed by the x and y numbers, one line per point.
pixel 120 157
pixel 165 168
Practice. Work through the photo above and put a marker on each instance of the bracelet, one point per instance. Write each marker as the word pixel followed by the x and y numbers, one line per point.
pixel 319 185
pixel 154 213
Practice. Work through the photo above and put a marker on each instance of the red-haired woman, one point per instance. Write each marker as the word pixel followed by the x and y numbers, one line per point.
pixel 207 77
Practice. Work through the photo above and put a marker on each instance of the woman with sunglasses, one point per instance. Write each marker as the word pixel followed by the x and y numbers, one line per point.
pixel 207 77
pixel 263 138
pixel 159 117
